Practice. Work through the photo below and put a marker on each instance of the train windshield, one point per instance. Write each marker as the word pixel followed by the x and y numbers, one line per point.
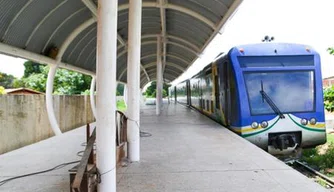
pixel 290 91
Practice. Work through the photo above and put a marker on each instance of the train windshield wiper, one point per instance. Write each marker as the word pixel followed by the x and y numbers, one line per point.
pixel 266 97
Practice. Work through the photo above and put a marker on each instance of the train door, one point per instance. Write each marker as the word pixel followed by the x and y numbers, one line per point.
pixel 229 75
pixel 175 96
pixel 188 93
pixel 215 75
pixel 224 91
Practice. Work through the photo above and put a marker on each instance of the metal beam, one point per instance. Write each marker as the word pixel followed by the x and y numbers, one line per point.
pixel 173 43
pixel 17 52
pixel 172 76
pixel 43 20
pixel 227 16
pixel 59 26
pixel 169 55
pixel 77 44
pixel 92 7
pixel 218 27
pixel 167 63
pixel 15 17
pixel 171 72
pixel 49 100
pixel 141 67
pixel 89 55
pixel 176 8
pixel 72 36
pixel 84 48
pixel 193 46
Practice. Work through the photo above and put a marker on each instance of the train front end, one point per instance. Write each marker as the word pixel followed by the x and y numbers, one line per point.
pixel 281 97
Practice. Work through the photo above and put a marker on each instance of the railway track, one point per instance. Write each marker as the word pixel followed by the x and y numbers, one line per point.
pixel 311 173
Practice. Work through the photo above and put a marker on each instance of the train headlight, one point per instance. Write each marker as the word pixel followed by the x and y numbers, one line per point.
pixel 313 121
pixel 303 121
pixel 255 125
pixel 264 124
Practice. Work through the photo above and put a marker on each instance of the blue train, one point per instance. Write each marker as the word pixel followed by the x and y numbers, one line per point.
pixel 268 93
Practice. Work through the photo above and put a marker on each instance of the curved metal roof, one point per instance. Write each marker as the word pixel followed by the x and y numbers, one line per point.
pixel 64 31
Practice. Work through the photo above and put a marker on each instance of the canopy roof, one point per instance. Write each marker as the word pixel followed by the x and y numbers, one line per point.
pixel 64 32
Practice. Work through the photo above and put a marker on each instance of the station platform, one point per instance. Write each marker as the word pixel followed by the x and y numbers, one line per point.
pixel 185 152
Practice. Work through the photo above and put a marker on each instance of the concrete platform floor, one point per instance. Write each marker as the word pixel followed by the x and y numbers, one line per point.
pixel 186 152
pixel 41 156
pixel 189 152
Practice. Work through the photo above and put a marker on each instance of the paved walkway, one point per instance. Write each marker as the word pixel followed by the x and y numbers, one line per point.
pixel 41 156
pixel 189 152
pixel 329 121
pixel 186 152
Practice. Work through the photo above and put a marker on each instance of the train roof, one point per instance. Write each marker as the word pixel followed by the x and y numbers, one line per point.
pixel 263 49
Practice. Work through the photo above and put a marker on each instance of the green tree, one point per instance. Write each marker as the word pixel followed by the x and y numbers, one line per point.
pixel 151 90
pixel 69 82
pixel 31 67
pixel 329 92
pixel 65 83
pixel 6 80
pixel 120 89
pixel 2 90
pixel 331 50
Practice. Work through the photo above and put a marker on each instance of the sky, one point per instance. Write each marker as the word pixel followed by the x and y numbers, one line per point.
pixel 294 21
pixel 308 22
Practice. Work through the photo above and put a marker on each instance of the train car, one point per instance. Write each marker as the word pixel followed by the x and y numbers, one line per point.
pixel 269 93
pixel 182 92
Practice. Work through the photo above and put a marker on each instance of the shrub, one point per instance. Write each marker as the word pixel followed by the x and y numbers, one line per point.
pixel 322 161
pixel 329 99
pixel 2 90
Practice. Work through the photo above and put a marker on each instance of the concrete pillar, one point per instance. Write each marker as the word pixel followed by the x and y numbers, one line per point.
pixel 133 78
pixel 106 94
pixel 92 96
pixel 159 78
pixel 49 100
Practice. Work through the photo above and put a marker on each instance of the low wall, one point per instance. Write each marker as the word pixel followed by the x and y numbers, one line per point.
pixel 24 120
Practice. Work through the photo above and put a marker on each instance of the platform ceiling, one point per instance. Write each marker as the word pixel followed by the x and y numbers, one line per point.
pixel 65 31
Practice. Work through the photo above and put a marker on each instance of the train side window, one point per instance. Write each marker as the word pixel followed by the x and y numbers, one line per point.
pixel 217 99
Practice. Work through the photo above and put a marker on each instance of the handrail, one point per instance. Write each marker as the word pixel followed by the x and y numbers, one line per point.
pixel 83 163
pixel 121 128
pixel 88 155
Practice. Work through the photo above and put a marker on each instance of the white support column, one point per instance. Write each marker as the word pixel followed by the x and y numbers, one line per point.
pixel 49 100
pixel 106 94
pixel 159 78
pixel 133 78
pixel 92 96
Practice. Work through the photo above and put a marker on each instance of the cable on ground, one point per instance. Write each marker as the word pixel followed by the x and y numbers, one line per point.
pixel 36 173
pixel 145 134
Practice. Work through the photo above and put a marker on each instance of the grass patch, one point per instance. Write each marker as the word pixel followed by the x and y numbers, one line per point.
pixel 322 156
pixel 330 138
pixel 121 105
pixel 323 161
